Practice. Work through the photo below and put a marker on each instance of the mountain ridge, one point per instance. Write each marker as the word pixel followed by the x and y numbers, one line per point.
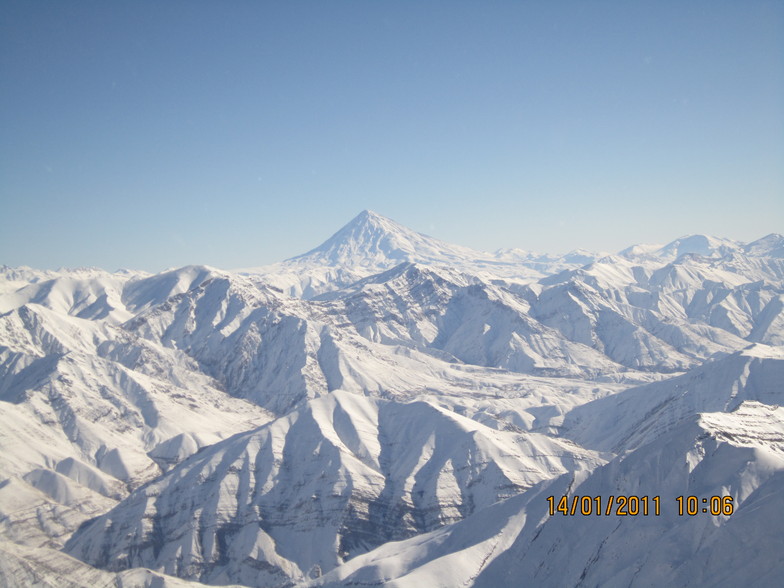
pixel 390 408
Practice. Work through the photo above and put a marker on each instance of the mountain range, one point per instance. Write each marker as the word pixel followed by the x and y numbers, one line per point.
pixel 390 409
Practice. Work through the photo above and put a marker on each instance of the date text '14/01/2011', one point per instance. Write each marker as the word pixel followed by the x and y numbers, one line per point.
pixel 638 505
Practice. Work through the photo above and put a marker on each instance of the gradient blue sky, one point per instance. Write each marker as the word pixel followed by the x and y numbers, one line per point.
pixel 156 134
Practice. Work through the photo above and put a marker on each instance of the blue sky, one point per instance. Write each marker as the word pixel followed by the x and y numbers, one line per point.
pixel 150 135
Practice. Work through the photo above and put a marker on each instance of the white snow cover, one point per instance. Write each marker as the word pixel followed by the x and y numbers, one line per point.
pixel 390 409
pixel 517 541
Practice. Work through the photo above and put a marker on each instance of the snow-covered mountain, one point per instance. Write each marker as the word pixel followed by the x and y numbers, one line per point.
pixel 390 408
pixel 518 542
pixel 371 243
pixel 341 475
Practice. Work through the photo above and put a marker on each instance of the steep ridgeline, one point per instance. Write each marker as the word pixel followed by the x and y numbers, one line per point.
pixel 726 454
pixel 271 425
pixel 390 334
pixel 737 454
pixel 299 496
pixel 629 419
pixel 91 411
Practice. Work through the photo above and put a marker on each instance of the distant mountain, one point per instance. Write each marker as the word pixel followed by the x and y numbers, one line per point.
pixel 372 243
pixel 698 245
pixel 376 242
pixel 769 246
pixel 707 246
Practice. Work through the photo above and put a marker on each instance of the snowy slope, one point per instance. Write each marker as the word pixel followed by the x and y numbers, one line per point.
pixel 636 416
pixel 473 321
pixel 769 246
pixel 737 454
pixel 47 568
pixel 299 496
pixel 89 412
pixel 385 335
pixel 516 541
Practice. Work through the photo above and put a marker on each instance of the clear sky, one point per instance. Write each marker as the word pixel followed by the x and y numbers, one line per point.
pixel 156 134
